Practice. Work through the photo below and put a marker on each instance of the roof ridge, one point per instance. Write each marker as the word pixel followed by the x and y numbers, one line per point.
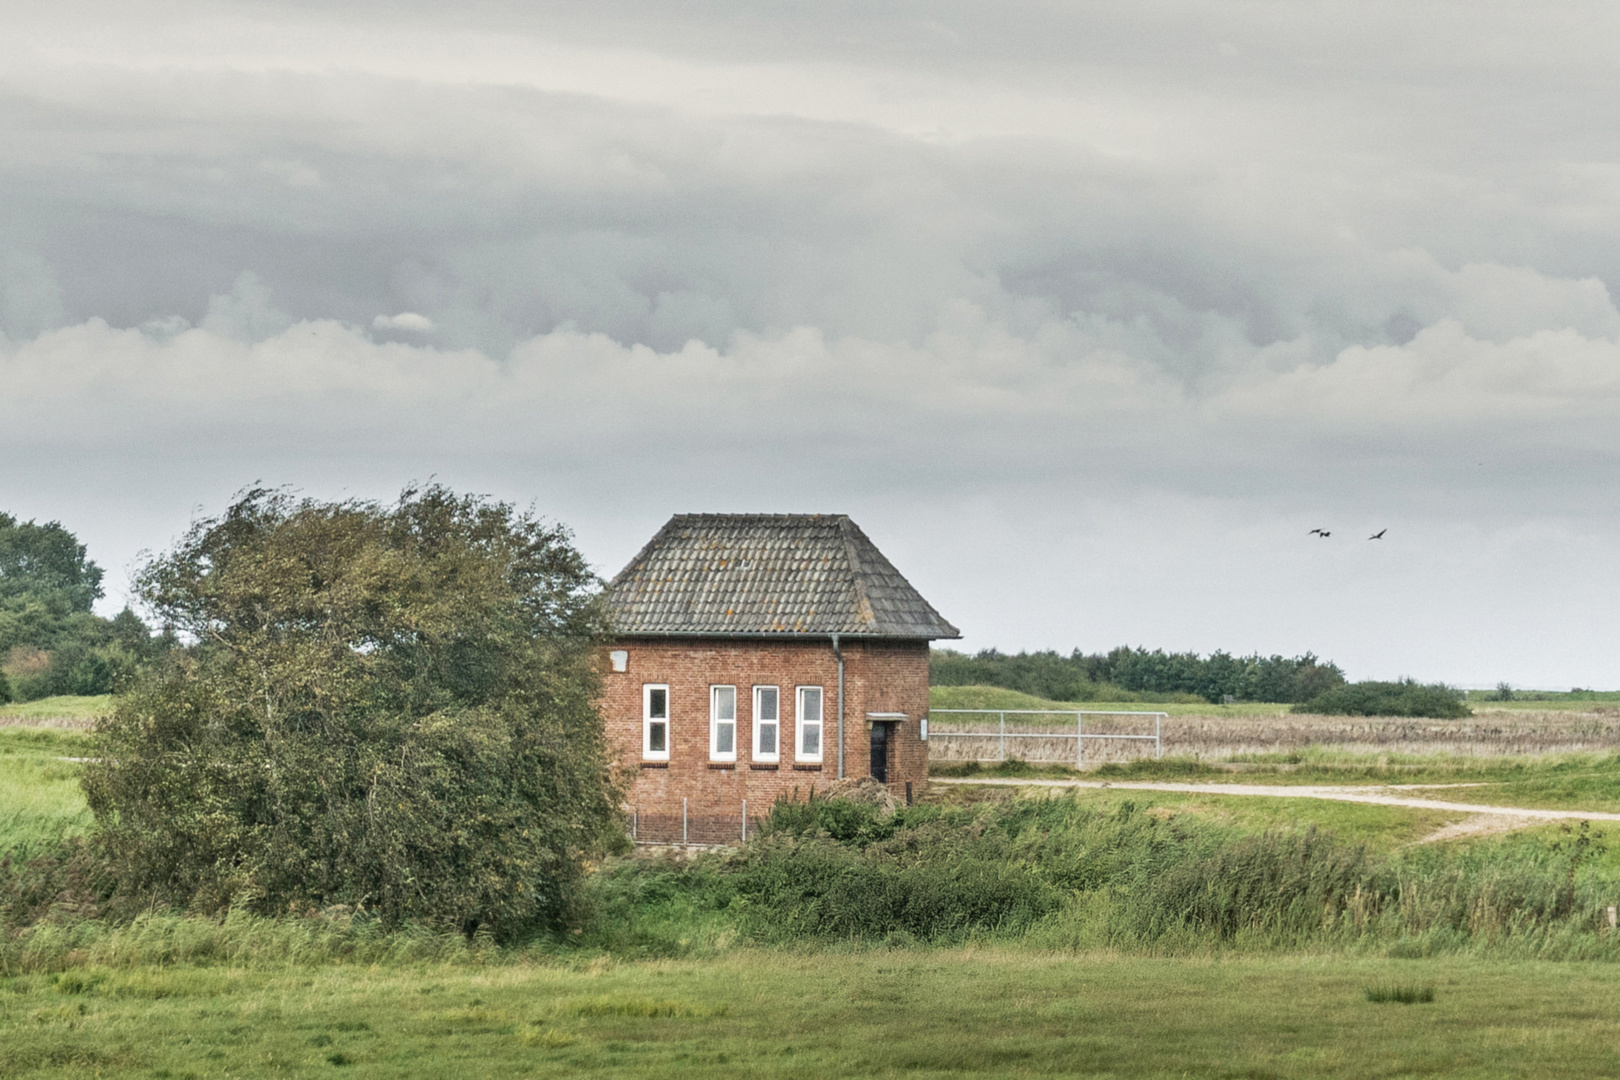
pixel 847 531
pixel 646 550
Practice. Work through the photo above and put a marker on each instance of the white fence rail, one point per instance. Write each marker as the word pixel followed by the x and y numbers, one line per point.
pixel 1079 736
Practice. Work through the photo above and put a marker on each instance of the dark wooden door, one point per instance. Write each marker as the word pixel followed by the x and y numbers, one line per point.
pixel 880 753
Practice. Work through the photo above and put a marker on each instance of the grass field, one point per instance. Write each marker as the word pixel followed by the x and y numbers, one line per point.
pixel 673 983
pixel 63 712
pixel 1248 731
pixel 916 1013
pixel 40 798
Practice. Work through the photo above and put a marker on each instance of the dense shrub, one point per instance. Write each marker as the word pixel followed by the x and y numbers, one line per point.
pixel 1405 698
pixel 1126 674
pixel 386 707
pixel 822 889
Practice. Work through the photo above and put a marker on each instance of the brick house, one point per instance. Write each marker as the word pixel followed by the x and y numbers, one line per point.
pixel 759 656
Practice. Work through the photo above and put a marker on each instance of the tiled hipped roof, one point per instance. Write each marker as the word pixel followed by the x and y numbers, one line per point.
pixel 767 574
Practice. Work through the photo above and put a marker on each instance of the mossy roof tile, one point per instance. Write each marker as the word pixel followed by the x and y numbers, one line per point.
pixel 751 574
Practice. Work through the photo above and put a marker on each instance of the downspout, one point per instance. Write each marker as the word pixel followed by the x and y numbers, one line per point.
pixel 839 653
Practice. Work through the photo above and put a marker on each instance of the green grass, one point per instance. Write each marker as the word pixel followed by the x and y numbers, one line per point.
pixel 83 709
pixel 917 1013
pixel 1542 699
pixel 1581 781
pixel 1381 828
pixel 40 798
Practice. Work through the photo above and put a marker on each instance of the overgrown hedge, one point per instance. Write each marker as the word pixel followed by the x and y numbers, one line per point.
pixel 1405 698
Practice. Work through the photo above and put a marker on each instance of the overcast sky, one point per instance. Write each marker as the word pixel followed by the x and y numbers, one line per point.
pixel 1086 312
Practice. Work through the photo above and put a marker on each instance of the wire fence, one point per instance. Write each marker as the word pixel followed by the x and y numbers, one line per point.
pixel 1036 738
pixel 687 827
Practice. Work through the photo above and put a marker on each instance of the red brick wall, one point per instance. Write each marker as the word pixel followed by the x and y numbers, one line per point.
pixel 878 677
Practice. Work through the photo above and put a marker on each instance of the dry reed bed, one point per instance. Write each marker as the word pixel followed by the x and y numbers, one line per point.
pixel 1214 737
pixel 69 723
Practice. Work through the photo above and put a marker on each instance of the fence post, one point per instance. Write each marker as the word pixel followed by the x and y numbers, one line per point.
pixel 1079 741
pixel 1003 736
pixel 1158 736
pixel 745 821
pixel 635 821
pixel 683 819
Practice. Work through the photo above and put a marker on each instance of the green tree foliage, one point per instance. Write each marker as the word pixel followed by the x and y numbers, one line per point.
pixel 386 707
pixel 1404 698
pixel 46 565
pixel 51 642
pixel 1101 676
pixel 47 586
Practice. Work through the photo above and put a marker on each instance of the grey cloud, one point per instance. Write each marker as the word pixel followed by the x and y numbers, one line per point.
pixel 503 212
pixel 246 312
pixel 1092 307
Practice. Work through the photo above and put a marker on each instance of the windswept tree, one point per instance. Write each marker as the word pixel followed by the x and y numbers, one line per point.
pixel 389 707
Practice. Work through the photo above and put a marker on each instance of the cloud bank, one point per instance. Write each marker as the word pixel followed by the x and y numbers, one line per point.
pixel 1088 313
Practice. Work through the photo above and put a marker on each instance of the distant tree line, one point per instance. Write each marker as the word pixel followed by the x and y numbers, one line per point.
pixel 51 641
pixel 1126 674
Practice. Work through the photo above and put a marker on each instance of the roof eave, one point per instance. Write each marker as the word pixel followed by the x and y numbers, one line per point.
pixel 783 635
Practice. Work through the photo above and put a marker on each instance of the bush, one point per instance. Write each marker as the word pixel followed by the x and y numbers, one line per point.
pixel 388 708
pixel 819 888
pixel 1405 698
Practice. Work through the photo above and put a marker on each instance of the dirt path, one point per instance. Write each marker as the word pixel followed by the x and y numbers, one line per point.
pixel 1490 819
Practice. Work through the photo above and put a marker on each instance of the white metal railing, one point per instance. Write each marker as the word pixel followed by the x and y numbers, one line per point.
pixel 1080 733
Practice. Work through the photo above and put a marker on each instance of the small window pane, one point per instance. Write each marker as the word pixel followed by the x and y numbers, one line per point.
pixel 812 741
pixel 658 704
pixel 655 737
pixel 725 738
pixel 769 700
pixel 812 704
pixel 725 703
pixel 767 738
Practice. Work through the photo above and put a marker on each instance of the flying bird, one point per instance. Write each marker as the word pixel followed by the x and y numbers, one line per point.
pixel 1379 535
pixel 1323 533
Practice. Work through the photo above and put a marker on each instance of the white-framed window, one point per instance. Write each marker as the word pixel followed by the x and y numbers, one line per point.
pixel 767 723
pixel 807 741
pixel 655 721
pixel 722 723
